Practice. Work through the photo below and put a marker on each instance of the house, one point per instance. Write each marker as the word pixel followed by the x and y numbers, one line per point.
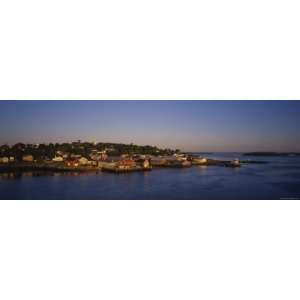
pixel 83 161
pixel 4 160
pixel 180 156
pixel 98 157
pixel 126 163
pixel 200 160
pixel 27 158
pixel 58 159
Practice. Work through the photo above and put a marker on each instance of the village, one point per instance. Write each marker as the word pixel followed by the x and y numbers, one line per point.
pixel 118 158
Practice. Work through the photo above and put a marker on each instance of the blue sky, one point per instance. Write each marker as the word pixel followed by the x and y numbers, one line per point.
pixel 187 125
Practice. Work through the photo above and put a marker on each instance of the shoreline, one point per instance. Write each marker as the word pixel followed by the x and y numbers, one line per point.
pixel 57 168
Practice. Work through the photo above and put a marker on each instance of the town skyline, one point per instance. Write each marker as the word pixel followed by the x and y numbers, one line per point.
pixel 212 126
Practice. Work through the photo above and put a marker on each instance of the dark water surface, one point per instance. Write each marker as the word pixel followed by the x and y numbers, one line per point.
pixel 278 179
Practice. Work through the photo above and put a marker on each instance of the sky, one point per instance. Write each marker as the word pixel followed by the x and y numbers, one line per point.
pixel 186 125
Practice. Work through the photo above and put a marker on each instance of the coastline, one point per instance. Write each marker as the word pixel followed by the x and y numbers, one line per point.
pixel 20 167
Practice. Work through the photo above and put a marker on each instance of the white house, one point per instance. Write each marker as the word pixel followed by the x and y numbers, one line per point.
pixel 57 158
pixel 4 160
pixel 83 161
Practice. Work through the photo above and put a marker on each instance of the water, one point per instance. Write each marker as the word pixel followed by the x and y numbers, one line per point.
pixel 279 179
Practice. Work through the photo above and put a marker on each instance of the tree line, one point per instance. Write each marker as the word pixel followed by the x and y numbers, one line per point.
pixel 44 151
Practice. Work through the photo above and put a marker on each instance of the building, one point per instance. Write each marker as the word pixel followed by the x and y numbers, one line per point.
pixel 83 161
pixel 72 163
pixel 98 156
pixel 27 158
pixel 180 156
pixel 126 163
pixel 199 160
pixel 4 160
pixel 146 164
pixel 11 159
pixel 236 162
pixel 58 159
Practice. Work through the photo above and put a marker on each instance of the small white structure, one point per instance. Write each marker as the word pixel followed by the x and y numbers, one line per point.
pixel 203 160
pixel 236 162
pixel 4 160
pixel 200 160
pixel 146 163
pixel 57 159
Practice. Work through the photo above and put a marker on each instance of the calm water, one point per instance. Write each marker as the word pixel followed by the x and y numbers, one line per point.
pixel 280 178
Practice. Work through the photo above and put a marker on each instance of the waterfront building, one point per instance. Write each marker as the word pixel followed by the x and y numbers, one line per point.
pixel 27 158
pixel 200 160
pixel 146 163
pixel 72 163
pixel 83 161
pixel 58 159
pixel 98 156
pixel 4 160
pixel 126 164
pixel 236 162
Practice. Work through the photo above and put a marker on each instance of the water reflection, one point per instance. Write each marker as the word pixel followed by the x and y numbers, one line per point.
pixel 280 178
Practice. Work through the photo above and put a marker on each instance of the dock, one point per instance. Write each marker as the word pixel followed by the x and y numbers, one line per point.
pixel 124 170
